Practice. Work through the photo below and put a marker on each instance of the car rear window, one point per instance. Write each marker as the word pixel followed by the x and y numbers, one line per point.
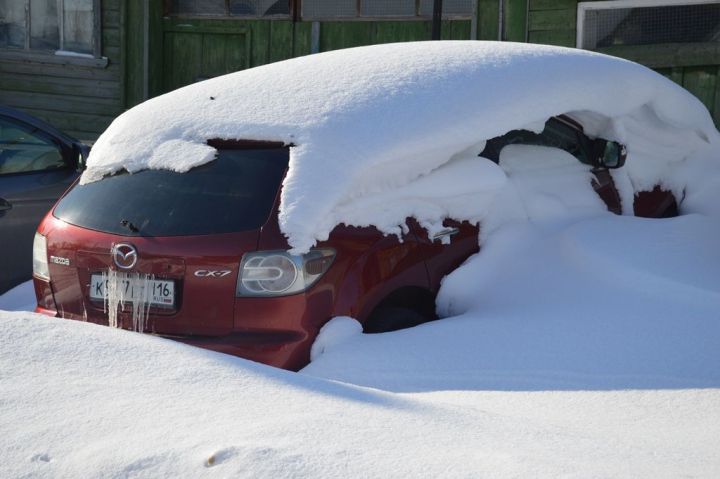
pixel 234 192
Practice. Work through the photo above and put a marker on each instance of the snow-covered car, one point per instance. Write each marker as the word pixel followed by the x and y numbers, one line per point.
pixel 244 212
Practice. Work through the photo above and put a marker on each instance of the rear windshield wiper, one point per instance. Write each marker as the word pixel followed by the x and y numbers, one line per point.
pixel 128 224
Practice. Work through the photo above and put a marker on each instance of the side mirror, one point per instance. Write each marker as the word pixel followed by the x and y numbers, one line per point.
pixel 609 154
pixel 83 151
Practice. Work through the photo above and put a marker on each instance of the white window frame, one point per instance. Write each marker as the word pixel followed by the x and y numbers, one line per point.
pixel 617 4
pixel 97 32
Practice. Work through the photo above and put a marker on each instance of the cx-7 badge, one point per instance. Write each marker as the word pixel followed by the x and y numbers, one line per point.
pixel 206 273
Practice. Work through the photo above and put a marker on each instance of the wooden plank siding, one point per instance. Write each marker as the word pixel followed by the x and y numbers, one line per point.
pixel 149 54
pixel 79 99
pixel 487 19
pixel 552 22
pixel 194 48
pixel 694 66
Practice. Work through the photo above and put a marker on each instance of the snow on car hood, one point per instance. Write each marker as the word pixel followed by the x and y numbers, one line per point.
pixel 371 121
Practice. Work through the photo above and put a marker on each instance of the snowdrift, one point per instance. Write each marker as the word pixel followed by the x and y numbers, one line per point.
pixel 373 120
pixel 81 400
pixel 603 303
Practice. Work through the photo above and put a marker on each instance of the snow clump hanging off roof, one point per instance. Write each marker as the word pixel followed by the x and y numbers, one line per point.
pixel 372 120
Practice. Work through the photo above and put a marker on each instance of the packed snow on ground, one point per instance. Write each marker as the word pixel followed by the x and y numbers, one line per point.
pixel 375 119
pixel 610 302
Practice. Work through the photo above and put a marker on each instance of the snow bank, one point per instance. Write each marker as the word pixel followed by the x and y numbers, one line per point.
pixel 574 299
pixel 605 303
pixel 81 400
pixel 334 332
pixel 549 183
pixel 372 120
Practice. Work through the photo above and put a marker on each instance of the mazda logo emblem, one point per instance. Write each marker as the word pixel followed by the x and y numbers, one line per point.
pixel 124 255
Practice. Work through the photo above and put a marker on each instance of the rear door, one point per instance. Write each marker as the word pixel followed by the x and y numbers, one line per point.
pixel 35 169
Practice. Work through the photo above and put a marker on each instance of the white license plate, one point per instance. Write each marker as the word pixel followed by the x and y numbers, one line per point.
pixel 132 289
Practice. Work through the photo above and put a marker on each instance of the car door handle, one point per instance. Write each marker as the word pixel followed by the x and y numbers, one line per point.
pixel 446 232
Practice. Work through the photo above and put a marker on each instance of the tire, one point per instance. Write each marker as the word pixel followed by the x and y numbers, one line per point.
pixel 393 318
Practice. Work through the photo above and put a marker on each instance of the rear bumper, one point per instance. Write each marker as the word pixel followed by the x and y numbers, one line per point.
pixel 286 350
pixel 274 331
pixel 282 349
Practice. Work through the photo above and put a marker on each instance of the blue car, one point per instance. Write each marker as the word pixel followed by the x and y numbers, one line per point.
pixel 37 164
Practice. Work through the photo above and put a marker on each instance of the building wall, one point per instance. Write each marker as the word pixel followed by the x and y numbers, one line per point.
pixel 80 97
pixel 185 49
pixel 191 49
pixel 149 54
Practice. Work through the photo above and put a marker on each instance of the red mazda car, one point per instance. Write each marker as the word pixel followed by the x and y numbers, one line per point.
pixel 199 256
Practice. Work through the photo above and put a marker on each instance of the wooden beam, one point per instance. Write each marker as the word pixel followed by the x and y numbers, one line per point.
pixel 516 20
pixel 552 19
pixel 24 56
pixel 563 38
pixel 488 11
pixel 702 82
pixel 552 4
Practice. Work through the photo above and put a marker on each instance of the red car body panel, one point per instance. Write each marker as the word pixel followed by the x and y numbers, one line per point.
pixel 279 331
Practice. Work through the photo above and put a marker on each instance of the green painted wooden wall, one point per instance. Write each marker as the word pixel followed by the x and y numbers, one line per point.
pixel 694 66
pixel 192 49
pixel 187 49
pixel 79 99
pixel 83 100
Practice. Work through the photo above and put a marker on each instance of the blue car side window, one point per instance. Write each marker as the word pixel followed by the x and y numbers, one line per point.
pixel 25 149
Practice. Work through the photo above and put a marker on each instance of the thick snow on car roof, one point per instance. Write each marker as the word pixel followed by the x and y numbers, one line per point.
pixel 372 120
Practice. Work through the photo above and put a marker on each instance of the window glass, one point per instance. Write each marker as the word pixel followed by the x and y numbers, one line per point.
pixel 207 7
pixel 44 33
pixel 12 23
pixel 379 8
pixel 325 9
pixel 24 149
pixel 650 25
pixel 234 192
pixel 565 137
pixel 382 8
pixel 458 7
pixel 556 134
pixel 253 8
pixel 259 7
pixel 449 7
pixel 46 18
pixel 78 26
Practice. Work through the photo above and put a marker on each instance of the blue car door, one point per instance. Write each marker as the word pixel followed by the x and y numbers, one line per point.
pixel 36 167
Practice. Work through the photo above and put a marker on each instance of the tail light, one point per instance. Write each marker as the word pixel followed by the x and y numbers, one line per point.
pixel 40 258
pixel 41 273
pixel 278 273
